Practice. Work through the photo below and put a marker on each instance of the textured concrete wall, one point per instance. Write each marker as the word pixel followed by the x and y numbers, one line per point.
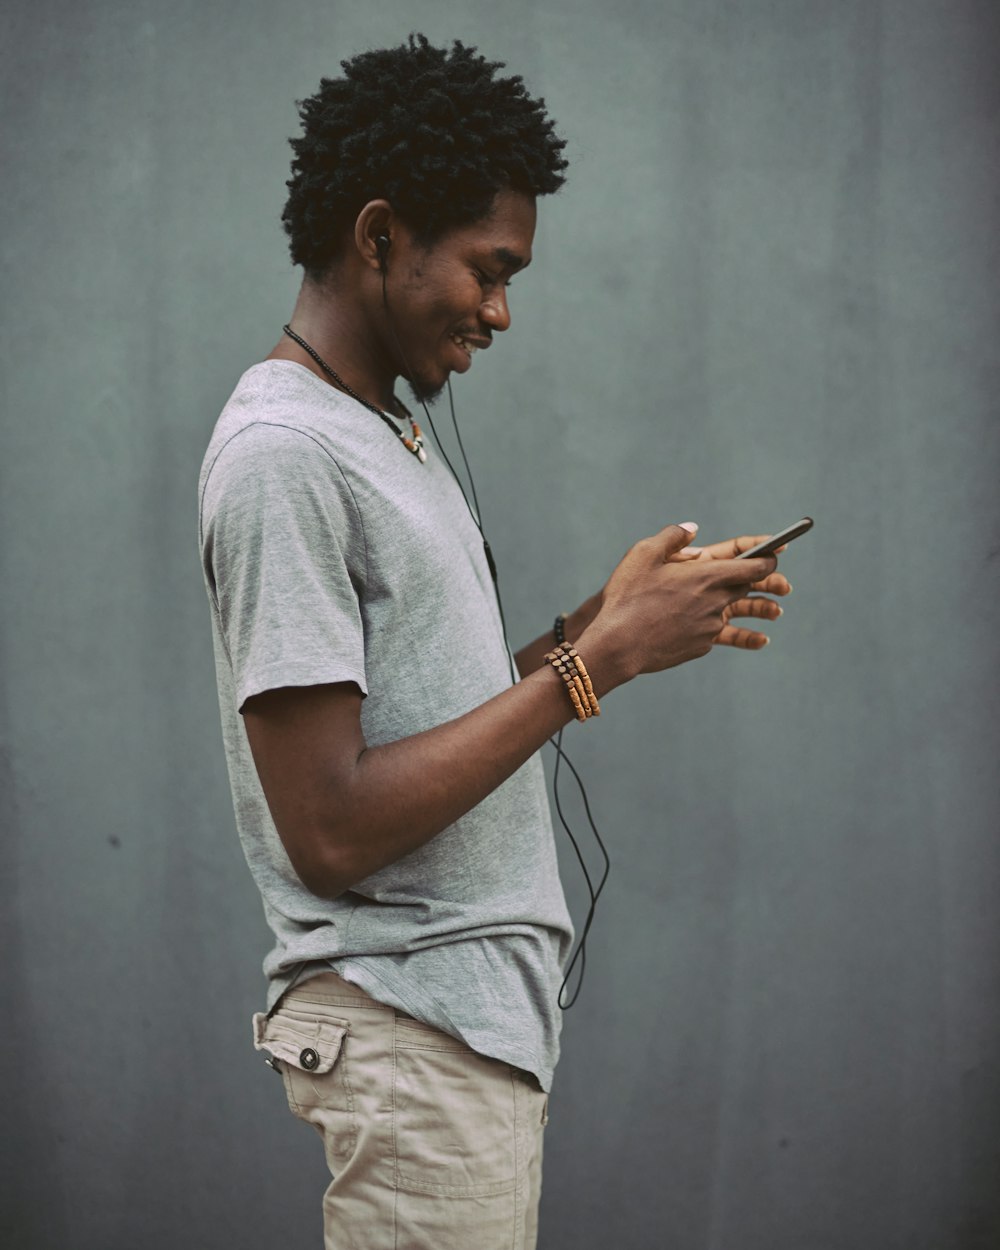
pixel 770 287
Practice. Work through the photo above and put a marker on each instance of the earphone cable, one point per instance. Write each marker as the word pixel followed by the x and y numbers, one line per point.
pixel 580 953
pixel 465 458
pixel 581 946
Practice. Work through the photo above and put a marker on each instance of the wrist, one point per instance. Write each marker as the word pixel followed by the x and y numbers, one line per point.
pixel 607 657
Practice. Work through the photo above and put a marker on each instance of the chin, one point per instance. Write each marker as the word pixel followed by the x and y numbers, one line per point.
pixel 426 391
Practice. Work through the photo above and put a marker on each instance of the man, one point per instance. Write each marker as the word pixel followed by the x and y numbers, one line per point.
pixel 383 758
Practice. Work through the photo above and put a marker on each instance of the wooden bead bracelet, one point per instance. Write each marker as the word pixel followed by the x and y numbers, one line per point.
pixel 569 664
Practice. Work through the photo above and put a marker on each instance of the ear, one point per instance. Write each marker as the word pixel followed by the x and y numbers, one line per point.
pixel 375 219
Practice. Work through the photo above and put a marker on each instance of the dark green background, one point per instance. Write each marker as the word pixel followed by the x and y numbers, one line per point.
pixel 770 288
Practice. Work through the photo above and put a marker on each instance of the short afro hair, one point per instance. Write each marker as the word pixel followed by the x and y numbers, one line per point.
pixel 431 130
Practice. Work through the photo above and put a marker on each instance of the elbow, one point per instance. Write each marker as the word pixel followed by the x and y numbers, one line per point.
pixel 325 885
pixel 323 865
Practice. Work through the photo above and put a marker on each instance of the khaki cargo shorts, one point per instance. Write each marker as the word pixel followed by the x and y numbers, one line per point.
pixel 430 1145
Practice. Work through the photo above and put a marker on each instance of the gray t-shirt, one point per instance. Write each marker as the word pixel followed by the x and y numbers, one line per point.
pixel 332 554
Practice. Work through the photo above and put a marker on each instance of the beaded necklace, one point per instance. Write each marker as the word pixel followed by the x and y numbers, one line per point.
pixel 414 444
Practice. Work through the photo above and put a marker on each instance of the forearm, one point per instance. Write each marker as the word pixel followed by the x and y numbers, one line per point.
pixel 401 794
pixel 405 792
pixel 343 809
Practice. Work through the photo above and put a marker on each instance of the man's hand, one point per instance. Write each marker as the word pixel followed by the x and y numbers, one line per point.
pixel 658 610
pixel 752 606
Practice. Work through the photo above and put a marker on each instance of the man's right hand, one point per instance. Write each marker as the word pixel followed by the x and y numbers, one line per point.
pixel 657 612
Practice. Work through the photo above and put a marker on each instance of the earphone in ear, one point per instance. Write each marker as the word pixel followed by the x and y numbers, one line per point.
pixel 382 245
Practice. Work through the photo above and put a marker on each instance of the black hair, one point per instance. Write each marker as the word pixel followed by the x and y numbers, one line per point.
pixel 431 130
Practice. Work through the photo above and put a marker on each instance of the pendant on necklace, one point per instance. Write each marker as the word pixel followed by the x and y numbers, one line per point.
pixel 416 443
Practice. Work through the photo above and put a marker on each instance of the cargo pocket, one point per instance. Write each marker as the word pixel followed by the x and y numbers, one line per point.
pixel 455 1117
pixel 310 1052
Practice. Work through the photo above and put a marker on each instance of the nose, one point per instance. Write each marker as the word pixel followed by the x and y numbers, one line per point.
pixel 494 311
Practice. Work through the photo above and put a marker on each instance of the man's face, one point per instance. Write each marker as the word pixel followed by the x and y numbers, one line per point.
pixel 446 301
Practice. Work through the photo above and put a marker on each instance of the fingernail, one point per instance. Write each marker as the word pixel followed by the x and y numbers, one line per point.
pixel 690 526
pixel 693 551
pixel 781 611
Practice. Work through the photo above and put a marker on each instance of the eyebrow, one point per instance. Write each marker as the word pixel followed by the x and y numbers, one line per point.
pixel 510 259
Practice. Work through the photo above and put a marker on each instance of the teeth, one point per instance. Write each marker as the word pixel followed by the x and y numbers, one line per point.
pixel 468 347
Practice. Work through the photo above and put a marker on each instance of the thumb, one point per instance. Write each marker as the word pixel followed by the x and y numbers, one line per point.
pixel 676 537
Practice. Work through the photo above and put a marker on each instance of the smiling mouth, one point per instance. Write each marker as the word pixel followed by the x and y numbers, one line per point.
pixel 467 345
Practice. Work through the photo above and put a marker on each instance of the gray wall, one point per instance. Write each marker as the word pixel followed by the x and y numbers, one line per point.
pixel 770 288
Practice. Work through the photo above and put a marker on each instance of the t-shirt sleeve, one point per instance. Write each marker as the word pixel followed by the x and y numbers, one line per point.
pixel 283 549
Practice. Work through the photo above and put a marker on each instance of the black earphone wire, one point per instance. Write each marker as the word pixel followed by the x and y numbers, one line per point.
pixel 581 947
pixel 580 952
pixel 561 757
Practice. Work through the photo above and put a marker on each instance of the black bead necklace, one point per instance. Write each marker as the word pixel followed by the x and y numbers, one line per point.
pixel 414 444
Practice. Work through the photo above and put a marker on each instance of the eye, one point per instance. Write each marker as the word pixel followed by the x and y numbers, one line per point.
pixel 486 281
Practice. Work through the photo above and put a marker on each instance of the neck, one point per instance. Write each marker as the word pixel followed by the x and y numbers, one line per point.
pixel 336 328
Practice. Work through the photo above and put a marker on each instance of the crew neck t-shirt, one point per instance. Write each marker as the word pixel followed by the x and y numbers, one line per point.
pixel 332 554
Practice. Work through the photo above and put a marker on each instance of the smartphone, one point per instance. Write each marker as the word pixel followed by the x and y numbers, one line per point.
pixel 769 547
